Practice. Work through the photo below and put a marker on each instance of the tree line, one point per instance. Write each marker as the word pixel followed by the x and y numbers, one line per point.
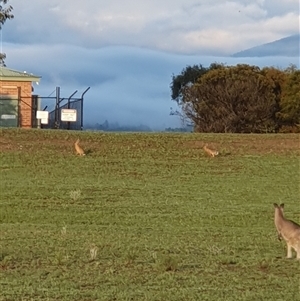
pixel 238 99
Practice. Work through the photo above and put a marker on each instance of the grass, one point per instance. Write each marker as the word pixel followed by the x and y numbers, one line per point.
pixel 146 216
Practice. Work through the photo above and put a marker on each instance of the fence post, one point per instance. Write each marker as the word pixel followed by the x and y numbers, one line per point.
pixel 56 123
pixel 81 110
pixel 19 107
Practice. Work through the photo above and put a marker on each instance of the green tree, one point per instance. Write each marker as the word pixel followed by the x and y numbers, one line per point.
pixel 289 113
pixel 232 99
pixel 5 14
pixel 181 85
pixel 188 77
pixel 276 78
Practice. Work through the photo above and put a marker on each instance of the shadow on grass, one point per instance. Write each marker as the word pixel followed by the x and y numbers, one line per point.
pixel 224 154
pixel 88 152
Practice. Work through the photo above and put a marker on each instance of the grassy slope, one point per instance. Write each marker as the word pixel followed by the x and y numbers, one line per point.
pixel 169 223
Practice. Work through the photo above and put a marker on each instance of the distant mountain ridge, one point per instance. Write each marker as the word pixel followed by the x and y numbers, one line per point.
pixel 288 47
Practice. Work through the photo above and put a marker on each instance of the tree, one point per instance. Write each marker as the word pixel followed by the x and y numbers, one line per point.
pixel 289 113
pixel 231 99
pixel 276 79
pixel 5 14
pixel 181 84
pixel 188 77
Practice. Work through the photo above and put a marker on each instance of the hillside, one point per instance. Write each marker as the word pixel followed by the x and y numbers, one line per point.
pixel 288 47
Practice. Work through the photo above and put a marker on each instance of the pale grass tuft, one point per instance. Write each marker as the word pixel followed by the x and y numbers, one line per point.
pixel 214 250
pixel 131 256
pixel 93 251
pixel 75 194
pixel 64 231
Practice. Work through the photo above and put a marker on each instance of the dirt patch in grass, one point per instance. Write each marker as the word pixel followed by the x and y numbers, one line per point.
pixel 34 146
pixel 226 144
pixel 251 144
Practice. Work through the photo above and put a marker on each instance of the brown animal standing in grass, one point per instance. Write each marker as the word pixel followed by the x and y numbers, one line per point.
pixel 79 150
pixel 288 230
pixel 210 152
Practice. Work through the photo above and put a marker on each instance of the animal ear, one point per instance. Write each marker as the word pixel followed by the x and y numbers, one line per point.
pixel 275 205
pixel 281 205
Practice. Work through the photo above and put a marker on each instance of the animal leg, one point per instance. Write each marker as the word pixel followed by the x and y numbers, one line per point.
pixel 279 237
pixel 289 251
pixel 297 249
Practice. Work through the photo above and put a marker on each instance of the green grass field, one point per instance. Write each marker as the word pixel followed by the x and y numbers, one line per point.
pixel 146 216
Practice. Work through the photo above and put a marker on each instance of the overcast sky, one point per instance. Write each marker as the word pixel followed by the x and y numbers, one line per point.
pixel 127 50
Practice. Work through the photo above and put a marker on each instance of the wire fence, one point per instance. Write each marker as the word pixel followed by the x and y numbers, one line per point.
pixel 19 111
pixel 55 116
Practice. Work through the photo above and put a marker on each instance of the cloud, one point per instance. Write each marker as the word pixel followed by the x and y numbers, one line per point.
pixel 180 26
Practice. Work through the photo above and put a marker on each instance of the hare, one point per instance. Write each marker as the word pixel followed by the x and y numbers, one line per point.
pixel 79 150
pixel 210 152
pixel 288 230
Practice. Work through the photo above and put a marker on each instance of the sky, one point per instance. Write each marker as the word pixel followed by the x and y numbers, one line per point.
pixel 128 50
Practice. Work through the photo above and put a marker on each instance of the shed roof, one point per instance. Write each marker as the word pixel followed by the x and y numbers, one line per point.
pixel 10 74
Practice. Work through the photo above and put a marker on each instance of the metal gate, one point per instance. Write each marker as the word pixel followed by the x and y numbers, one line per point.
pixel 60 104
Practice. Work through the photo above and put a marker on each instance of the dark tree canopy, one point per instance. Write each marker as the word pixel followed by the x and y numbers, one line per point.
pixel 5 12
pixel 290 102
pixel 238 99
pixel 233 99
pixel 187 77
